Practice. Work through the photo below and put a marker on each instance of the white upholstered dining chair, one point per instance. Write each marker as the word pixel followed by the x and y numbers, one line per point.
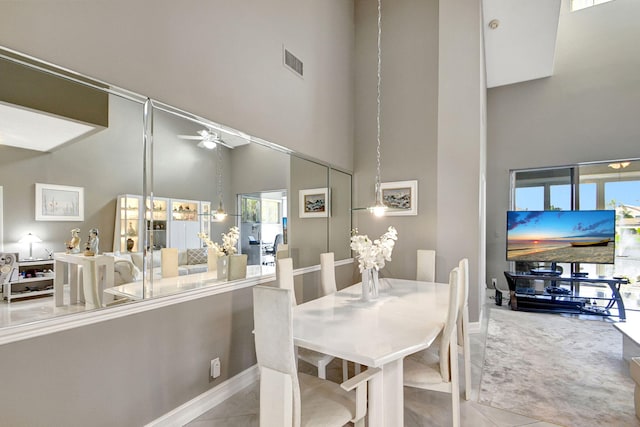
pixel 283 251
pixel 289 398
pixel 439 371
pixel 284 277
pixel 169 262
pixel 284 280
pixel 426 265
pixel 327 274
pixel 328 286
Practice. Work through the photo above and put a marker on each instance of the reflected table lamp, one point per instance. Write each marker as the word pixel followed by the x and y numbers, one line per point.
pixel 30 239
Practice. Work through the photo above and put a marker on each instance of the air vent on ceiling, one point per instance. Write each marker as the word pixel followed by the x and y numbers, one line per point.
pixel 293 63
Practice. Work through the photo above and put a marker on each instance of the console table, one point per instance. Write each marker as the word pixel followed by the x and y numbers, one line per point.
pixel 85 280
pixel 572 301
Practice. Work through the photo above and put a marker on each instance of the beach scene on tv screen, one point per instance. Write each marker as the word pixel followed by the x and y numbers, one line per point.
pixel 561 236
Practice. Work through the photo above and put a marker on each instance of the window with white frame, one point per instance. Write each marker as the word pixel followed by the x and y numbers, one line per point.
pixel 603 185
pixel 583 4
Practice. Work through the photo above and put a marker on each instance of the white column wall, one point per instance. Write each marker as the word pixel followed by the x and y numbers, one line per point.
pixel 461 145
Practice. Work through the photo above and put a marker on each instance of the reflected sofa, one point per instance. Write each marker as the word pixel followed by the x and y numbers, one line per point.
pixel 128 266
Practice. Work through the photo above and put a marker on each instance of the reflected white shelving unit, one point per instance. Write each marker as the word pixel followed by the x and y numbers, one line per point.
pixel 128 224
pixel 184 224
pixel 171 223
pixel 156 222
pixel 35 278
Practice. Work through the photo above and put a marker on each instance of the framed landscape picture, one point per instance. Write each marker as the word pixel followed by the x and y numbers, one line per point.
pixel 401 197
pixel 59 203
pixel 314 203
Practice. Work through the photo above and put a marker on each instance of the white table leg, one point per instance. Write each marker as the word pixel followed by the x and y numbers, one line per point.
pixel 58 283
pixel 386 397
pixel 109 273
pixel 90 285
pixel 75 283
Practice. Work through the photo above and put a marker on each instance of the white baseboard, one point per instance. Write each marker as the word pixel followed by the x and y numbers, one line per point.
pixel 207 400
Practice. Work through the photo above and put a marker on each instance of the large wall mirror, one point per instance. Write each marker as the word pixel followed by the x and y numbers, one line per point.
pixel 80 160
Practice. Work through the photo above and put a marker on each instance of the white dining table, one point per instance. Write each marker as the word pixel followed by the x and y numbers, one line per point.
pixel 163 286
pixel 405 318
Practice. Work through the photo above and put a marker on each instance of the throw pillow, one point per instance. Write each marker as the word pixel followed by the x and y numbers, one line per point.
pixel 197 256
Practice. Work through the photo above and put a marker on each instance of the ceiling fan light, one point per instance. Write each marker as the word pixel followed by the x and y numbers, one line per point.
pixel 209 144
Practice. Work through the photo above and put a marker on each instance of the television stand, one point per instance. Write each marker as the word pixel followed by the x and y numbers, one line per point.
pixel 544 272
pixel 528 298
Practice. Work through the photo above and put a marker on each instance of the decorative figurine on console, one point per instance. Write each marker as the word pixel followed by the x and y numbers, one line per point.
pixel 93 243
pixel 73 245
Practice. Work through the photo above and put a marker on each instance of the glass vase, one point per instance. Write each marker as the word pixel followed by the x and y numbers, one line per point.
pixel 370 284
pixel 223 267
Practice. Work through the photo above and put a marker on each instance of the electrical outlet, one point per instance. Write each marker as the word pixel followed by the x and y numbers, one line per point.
pixel 494 283
pixel 215 368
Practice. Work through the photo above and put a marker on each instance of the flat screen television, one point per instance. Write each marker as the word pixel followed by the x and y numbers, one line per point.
pixel 561 236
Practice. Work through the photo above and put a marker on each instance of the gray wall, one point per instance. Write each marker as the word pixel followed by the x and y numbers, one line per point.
pixel 106 164
pixel 409 105
pixel 340 218
pixel 242 83
pixel 221 60
pixel 307 237
pixel 432 131
pixel 128 371
pixel 461 146
pixel 132 370
pixel 253 168
pixel 587 111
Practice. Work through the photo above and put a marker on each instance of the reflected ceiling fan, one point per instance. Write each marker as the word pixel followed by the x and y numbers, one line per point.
pixel 208 139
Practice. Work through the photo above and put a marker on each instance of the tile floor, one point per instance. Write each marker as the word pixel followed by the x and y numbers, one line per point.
pixel 422 408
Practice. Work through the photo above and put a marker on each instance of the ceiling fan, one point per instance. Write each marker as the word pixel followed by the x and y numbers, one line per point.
pixel 208 139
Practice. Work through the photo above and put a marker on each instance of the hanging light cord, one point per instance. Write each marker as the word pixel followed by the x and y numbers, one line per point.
pixel 378 155
pixel 219 167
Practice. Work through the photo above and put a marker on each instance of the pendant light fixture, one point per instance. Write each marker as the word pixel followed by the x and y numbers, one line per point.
pixel 379 208
pixel 219 214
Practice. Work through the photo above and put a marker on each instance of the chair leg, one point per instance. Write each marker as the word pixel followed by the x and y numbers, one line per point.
pixel 345 370
pixel 466 349
pixel 455 406
pixel 455 381
pixel 356 366
pixel 467 370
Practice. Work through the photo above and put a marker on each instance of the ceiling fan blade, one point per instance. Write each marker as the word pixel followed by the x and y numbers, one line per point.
pixel 197 138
